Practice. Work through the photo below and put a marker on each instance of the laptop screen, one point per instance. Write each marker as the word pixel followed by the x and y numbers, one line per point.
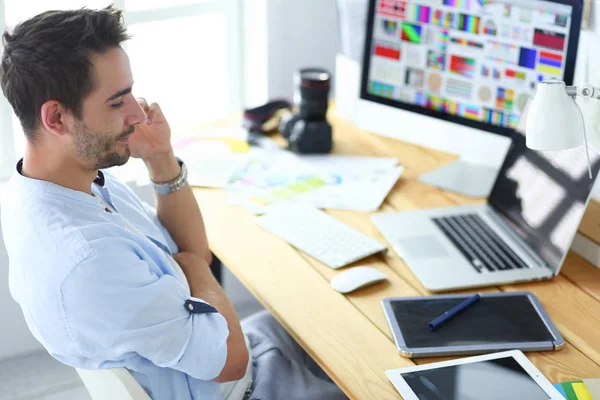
pixel 543 195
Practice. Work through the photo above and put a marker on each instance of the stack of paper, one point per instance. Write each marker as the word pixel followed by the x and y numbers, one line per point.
pixel 265 176
pixel 277 178
pixel 585 389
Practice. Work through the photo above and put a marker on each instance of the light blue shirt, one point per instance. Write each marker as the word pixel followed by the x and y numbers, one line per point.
pixel 98 295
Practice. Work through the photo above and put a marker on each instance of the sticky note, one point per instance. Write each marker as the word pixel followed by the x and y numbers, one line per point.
pixel 581 391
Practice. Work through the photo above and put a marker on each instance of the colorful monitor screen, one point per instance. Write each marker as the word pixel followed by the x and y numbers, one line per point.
pixel 474 62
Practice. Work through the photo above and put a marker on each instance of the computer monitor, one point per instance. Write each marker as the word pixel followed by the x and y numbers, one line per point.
pixel 456 75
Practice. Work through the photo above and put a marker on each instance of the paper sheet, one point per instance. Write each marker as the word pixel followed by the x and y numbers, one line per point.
pixel 344 191
pixel 274 168
pixel 359 192
pixel 276 177
pixel 593 386
pixel 214 172
pixel 334 162
pixel 288 192
pixel 213 157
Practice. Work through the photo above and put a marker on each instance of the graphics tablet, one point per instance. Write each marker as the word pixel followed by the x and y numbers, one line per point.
pixel 496 322
pixel 507 375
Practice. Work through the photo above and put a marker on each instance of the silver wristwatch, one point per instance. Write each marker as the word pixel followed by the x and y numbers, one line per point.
pixel 175 184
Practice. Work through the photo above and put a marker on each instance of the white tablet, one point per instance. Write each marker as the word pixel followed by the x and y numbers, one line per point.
pixel 508 375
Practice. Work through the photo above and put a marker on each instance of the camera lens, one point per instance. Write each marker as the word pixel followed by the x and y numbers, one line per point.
pixel 311 93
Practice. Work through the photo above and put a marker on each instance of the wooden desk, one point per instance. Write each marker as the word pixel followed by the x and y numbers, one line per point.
pixel 347 334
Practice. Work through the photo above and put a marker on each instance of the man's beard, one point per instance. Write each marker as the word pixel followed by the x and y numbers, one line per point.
pixel 100 147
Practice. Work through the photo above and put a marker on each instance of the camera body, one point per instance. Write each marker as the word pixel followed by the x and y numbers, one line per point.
pixel 306 136
pixel 308 131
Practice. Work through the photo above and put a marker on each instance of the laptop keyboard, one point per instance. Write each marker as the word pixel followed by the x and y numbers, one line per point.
pixel 478 243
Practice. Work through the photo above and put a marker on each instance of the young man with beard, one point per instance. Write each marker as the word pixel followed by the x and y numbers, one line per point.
pixel 103 279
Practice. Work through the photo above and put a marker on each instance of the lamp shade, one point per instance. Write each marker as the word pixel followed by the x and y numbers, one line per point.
pixel 553 120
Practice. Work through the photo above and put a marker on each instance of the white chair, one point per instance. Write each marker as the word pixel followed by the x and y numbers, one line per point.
pixel 111 384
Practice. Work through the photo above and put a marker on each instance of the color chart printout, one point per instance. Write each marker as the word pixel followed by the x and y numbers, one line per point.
pixel 475 59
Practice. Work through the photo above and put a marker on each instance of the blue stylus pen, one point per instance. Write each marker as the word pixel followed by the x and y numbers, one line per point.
pixel 433 325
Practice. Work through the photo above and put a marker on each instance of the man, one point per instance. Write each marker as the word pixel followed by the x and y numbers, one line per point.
pixel 103 279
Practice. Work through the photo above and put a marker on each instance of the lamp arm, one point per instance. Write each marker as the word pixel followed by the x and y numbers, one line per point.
pixel 585 140
pixel 572 91
pixel 586 91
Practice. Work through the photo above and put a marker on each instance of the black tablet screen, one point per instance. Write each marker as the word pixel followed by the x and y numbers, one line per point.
pixel 490 320
pixel 500 379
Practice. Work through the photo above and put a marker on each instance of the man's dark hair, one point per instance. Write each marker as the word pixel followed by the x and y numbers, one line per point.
pixel 48 57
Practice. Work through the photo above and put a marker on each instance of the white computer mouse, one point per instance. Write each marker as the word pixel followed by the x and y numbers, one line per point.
pixel 356 278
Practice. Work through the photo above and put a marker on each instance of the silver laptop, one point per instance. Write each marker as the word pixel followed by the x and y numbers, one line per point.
pixel 522 234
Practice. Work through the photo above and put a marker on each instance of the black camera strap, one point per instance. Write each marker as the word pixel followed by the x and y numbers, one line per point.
pixel 256 118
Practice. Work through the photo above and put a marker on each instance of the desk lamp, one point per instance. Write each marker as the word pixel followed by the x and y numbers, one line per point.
pixel 555 121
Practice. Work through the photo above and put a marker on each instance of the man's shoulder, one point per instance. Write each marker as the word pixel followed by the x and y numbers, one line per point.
pixel 32 197
pixel 55 232
pixel 43 211
pixel 25 209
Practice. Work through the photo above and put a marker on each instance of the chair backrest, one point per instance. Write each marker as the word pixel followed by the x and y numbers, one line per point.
pixel 112 384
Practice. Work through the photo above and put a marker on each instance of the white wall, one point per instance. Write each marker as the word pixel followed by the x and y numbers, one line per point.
pixel 254 36
pixel 299 34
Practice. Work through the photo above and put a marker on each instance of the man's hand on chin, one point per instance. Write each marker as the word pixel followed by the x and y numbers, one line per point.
pixel 151 142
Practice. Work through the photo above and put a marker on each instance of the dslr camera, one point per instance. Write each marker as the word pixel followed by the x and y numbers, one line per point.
pixel 307 130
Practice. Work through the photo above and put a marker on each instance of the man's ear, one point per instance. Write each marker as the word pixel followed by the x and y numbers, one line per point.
pixel 55 118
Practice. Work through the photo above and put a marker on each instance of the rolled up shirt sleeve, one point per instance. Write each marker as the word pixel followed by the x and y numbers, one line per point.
pixel 115 305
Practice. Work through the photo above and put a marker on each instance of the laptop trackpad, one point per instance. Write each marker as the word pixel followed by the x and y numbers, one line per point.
pixel 422 247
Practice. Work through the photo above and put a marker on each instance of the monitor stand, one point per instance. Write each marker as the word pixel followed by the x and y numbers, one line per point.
pixel 474 180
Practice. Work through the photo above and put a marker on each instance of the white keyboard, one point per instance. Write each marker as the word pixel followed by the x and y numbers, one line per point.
pixel 320 235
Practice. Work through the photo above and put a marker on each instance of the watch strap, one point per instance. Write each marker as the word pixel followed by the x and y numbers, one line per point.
pixel 174 185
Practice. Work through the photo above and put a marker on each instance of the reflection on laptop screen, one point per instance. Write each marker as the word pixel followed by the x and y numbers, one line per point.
pixel 543 196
